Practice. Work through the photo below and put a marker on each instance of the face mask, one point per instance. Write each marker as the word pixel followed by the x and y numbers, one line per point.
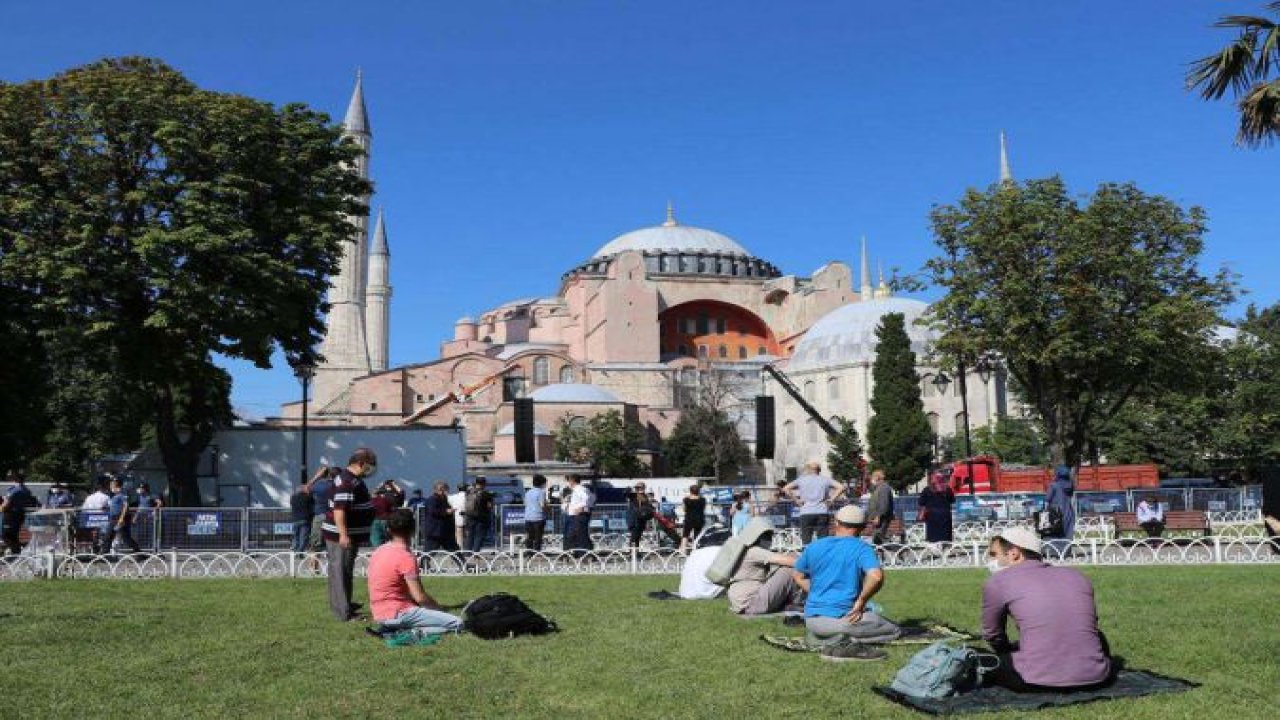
pixel 994 566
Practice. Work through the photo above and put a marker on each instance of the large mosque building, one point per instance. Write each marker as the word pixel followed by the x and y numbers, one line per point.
pixel 641 326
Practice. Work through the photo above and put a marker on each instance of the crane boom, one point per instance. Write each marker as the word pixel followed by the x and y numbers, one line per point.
pixel 462 394
pixel 794 392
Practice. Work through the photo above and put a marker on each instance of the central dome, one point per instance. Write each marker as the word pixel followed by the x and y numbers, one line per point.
pixel 671 235
pixel 848 334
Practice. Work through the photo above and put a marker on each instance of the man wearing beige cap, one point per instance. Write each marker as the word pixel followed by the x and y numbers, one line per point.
pixel 1059 646
pixel 841 573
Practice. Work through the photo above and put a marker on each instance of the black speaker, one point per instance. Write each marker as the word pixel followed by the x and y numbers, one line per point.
pixel 524 430
pixel 764 427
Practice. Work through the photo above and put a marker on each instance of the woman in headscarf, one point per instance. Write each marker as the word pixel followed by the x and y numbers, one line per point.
pixel 1060 492
pixel 935 509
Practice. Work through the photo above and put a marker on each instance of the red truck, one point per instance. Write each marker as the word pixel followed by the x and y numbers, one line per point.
pixel 989 476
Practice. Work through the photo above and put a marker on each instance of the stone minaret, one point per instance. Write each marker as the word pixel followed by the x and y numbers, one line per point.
pixel 1006 174
pixel 377 311
pixel 865 291
pixel 345 350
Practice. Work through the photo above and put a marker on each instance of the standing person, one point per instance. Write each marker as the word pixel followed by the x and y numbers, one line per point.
pixel 880 507
pixel 437 528
pixel 300 518
pixel 321 492
pixel 577 531
pixel 1151 516
pixel 695 515
pixel 935 509
pixel 458 501
pixel 535 514
pixel 1271 512
pixel 98 502
pixel 479 510
pixel 346 528
pixel 416 500
pixel 393 491
pixel 383 504
pixel 59 498
pixel 1059 645
pixel 841 573
pixel 813 491
pixel 119 518
pixel 396 596
pixel 740 512
pixel 1059 498
pixel 639 513
pixel 13 510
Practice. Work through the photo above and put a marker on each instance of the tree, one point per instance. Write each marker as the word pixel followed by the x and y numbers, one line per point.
pixel 1245 68
pixel 606 442
pixel 1014 440
pixel 705 443
pixel 1245 413
pixel 1088 307
pixel 151 224
pixel 901 443
pixel 845 457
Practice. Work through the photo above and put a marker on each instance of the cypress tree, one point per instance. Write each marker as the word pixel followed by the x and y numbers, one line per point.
pixel 898 436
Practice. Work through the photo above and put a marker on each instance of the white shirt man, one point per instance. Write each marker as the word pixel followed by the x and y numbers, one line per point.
pixel 98 501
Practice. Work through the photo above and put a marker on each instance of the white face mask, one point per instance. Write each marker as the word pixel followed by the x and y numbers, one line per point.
pixel 994 566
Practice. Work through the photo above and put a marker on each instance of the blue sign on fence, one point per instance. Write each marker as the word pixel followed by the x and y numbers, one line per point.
pixel 204 524
pixel 93 520
pixel 282 528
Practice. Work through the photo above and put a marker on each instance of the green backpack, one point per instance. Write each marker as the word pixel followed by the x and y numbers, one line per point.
pixel 942 670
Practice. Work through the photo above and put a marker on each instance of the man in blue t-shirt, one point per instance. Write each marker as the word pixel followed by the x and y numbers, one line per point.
pixel 535 514
pixel 841 574
pixel 119 518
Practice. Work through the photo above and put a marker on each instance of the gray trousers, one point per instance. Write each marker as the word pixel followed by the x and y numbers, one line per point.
pixel 342 567
pixel 778 591
pixel 871 629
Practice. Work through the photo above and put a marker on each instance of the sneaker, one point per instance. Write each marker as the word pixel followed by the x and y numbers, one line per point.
pixel 852 652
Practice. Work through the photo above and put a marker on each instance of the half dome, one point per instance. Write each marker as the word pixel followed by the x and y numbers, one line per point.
pixel 848 334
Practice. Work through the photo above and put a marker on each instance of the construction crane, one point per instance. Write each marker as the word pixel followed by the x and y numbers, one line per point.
pixel 462 395
pixel 794 392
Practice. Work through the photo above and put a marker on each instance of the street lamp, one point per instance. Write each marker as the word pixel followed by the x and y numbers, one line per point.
pixel 941 382
pixel 304 369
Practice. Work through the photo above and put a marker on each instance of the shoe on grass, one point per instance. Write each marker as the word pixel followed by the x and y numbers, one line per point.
pixel 852 652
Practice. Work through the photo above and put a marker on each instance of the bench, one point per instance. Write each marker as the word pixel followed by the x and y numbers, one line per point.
pixel 1174 520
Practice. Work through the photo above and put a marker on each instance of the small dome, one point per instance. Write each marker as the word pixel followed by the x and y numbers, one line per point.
pixel 848 334
pixel 573 393
pixel 465 320
pixel 510 429
pixel 672 237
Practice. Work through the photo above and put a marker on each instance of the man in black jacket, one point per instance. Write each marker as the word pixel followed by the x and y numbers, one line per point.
pixel 437 524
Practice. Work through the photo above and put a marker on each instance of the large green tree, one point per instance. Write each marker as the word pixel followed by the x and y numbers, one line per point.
pixel 151 225
pixel 898 436
pixel 1014 440
pixel 1248 68
pixel 844 459
pixel 1088 305
pixel 606 442
pixel 705 443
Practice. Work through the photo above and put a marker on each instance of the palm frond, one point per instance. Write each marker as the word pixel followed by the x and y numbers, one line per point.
pixel 1233 69
pixel 1244 21
pixel 1260 115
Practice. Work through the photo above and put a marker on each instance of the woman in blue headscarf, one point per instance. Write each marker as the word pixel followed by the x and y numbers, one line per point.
pixel 1060 492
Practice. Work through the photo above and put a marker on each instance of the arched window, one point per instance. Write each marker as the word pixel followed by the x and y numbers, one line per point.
pixel 566 374
pixel 541 371
pixel 926 386
pixel 789 432
pixel 724 351
pixel 833 388
pixel 742 352
pixel 702 351
pixel 808 391
pixel 577 422
pixel 933 422
pixel 959 424
pixel 760 350
pixel 811 431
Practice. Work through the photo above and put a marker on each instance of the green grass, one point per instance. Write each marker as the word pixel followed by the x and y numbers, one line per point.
pixel 268 648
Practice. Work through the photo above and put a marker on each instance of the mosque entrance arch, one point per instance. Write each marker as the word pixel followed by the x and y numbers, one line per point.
pixel 714 330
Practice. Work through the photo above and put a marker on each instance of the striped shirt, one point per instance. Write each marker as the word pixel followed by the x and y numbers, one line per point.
pixel 352 495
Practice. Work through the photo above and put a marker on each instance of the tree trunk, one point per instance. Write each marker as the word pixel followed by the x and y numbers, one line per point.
pixel 181 459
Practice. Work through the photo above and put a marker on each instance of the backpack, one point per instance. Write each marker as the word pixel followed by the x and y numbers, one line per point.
pixel 942 670
pixel 500 615
pixel 1049 523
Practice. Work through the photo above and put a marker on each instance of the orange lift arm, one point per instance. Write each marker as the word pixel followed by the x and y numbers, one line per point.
pixel 463 394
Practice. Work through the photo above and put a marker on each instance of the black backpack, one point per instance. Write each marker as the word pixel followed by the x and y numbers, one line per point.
pixel 500 615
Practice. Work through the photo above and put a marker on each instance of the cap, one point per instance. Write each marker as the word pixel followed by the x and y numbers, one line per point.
pixel 851 515
pixel 1021 537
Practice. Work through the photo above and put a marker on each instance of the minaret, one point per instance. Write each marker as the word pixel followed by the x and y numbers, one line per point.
pixel 882 290
pixel 865 290
pixel 1006 174
pixel 345 350
pixel 377 311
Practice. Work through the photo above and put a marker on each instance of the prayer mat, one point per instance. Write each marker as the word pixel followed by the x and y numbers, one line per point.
pixel 922 634
pixel 1128 683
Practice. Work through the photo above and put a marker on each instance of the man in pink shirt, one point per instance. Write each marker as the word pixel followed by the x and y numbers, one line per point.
pixel 395 591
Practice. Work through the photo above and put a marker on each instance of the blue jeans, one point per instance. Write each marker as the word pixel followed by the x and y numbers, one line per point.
pixel 477 529
pixel 420 618
pixel 301 535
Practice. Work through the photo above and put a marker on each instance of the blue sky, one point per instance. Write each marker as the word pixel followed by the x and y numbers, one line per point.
pixel 512 139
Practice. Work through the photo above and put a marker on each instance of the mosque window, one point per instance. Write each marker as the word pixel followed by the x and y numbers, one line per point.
pixel 721 326
pixel 577 422
pixel 833 388
pixel 959 424
pixel 704 325
pixel 933 422
pixel 541 371
pixel 566 374
pixel 418 398
pixel 811 431
pixel 926 386
pixel 808 391
pixel 702 351
pixel 789 431
pixel 373 406
pixel 742 352
pixel 724 351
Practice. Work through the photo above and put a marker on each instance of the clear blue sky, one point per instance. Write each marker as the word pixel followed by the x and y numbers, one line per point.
pixel 511 139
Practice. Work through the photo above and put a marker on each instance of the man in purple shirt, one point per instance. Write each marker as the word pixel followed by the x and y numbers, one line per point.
pixel 1060 646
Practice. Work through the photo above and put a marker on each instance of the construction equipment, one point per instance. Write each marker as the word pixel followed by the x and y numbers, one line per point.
pixel 462 395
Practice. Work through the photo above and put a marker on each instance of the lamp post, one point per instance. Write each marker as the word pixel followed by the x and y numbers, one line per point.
pixel 941 382
pixel 304 370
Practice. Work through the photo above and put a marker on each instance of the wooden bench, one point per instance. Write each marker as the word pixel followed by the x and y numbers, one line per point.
pixel 1174 520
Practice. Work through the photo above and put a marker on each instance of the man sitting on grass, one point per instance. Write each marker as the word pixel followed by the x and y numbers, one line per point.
pixel 841 573
pixel 395 591
pixel 1060 647
pixel 762 584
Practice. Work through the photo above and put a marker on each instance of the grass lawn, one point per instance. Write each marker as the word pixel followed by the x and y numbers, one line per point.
pixel 268 648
